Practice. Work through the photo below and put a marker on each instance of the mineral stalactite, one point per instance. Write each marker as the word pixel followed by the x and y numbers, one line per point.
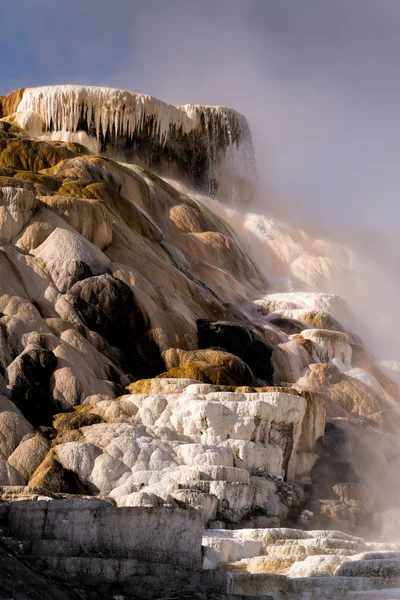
pixel 210 146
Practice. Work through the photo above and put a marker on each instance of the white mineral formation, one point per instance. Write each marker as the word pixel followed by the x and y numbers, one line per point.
pixel 94 116
pixel 329 345
pixel 63 107
pixel 199 446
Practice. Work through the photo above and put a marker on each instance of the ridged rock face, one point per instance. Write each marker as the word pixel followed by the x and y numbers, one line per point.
pixel 209 147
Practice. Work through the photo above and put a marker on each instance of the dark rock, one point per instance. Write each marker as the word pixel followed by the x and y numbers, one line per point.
pixel 238 339
pixel 21 583
pixel 289 326
pixel 150 361
pixel 108 306
pixel 326 474
pixel 8 351
pixel 334 463
pixel 71 272
pixel 334 444
pixel 28 384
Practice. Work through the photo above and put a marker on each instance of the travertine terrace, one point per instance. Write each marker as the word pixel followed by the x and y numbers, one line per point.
pixel 186 406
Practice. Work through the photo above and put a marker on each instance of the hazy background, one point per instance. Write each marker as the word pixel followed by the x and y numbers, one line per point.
pixel 318 80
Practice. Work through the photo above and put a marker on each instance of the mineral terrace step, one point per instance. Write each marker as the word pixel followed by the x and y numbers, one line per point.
pixel 378 555
pixel 222 546
pixel 135 578
pixel 38 548
pixel 386 594
pixel 89 569
pixel 280 586
pixel 220 550
pixel 382 568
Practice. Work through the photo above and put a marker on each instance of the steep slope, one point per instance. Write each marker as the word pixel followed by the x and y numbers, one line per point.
pixel 145 353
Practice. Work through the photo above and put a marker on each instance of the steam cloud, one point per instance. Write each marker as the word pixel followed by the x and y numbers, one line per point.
pixel 318 81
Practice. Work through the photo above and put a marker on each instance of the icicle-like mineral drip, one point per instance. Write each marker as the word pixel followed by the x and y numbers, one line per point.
pixel 124 112
pixel 211 151
pixel 101 117
pixel 61 107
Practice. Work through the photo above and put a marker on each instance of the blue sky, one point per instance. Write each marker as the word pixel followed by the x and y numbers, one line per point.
pixel 347 41
pixel 318 80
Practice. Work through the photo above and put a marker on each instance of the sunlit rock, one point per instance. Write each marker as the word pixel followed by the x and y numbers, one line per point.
pixel 328 345
pixel 316 566
pixel 17 206
pixel 108 120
